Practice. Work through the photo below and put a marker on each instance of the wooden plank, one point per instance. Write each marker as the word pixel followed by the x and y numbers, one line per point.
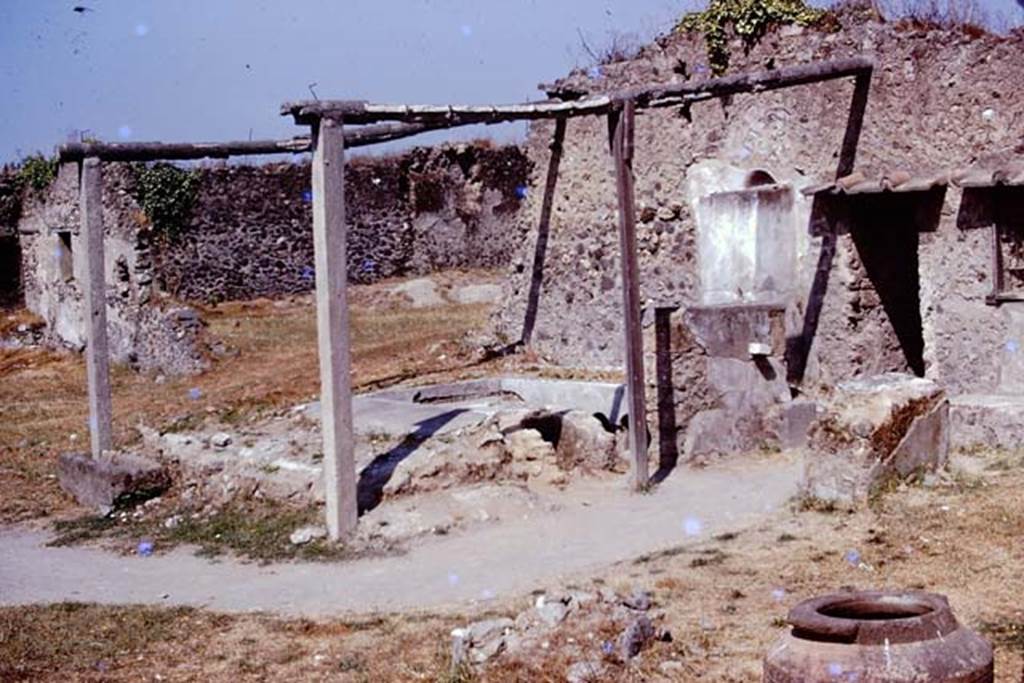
pixel 543 230
pixel 667 94
pixel 94 289
pixel 622 151
pixel 333 328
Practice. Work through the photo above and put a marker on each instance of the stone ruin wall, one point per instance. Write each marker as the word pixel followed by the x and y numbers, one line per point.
pixel 429 209
pixel 250 235
pixel 939 99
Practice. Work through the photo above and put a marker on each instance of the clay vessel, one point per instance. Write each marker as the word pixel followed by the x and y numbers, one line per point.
pixel 878 637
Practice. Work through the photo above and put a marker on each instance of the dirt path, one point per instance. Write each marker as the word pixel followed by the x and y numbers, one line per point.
pixel 505 559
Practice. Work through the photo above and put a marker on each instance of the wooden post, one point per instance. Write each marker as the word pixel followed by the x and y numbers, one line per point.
pixel 332 327
pixel 97 361
pixel 543 230
pixel 622 150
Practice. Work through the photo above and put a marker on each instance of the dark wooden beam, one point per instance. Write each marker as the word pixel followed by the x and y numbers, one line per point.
pixel 664 95
pixel 359 136
pixel 543 230
pixel 636 384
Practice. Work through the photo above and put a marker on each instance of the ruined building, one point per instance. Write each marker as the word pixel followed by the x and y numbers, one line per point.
pixel 763 280
pixel 244 232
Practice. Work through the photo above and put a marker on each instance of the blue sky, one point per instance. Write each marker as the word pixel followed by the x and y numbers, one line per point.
pixel 176 70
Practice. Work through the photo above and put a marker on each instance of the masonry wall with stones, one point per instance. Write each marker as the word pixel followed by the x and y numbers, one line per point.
pixel 250 233
pixel 844 305
pixel 145 329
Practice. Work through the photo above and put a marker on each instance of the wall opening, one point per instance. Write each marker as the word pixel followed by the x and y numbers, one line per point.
pixel 10 271
pixel 885 230
pixel 64 257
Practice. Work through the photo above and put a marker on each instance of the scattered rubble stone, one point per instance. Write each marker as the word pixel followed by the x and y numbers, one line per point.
pixel 588 671
pixel 639 600
pixel 577 611
pixel 306 534
pixel 220 440
pixel 635 637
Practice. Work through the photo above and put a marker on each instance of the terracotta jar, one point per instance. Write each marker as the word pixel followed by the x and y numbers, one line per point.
pixel 878 637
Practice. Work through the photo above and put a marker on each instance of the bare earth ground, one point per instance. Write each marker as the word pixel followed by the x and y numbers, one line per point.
pixel 725 600
pixel 724 597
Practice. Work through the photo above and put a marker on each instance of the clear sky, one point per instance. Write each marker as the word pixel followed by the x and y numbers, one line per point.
pixel 179 70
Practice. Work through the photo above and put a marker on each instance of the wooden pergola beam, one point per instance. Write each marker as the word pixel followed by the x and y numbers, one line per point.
pixel 360 136
pixel 666 95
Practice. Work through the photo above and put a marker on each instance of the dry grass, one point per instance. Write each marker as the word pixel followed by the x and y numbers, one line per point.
pixel 43 409
pixel 961 541
pixel 75 642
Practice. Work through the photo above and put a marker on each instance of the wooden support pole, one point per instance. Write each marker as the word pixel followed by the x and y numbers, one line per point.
pixel 622 151
pixel 97 361
pixel 543 230
pixel 333 327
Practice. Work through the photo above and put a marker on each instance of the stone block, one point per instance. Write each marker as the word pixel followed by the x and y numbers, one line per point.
pixel 110 480
pixel 873 430
pixel 584 441
pixel 728 330
pixel 987 421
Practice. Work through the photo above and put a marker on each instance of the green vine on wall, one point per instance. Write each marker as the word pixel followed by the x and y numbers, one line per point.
pixel 748 19
pixel 37 172
pixel 166 194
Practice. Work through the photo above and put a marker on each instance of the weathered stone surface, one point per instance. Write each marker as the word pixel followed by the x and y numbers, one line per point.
pixel 839 319
pixel 422 292
pixel 110 480
pixel 726 331
pixel 874 429
pixel 987 421
pixel 639 600
pixel 477 294
pixel 583 441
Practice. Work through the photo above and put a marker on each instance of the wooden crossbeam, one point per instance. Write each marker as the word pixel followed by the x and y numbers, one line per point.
pixel 360 136
pixel 664 95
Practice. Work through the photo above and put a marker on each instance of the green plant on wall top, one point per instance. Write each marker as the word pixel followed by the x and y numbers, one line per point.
pixel 166 194
pixel 37 172
pixel 749 19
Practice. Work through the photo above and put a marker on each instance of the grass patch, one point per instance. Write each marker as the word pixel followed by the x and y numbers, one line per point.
pixel 254 532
